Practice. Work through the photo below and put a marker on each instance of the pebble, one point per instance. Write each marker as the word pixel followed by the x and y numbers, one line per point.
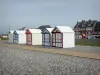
pixel 26 62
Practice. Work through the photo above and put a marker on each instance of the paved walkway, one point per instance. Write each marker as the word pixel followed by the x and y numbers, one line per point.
pixel 54 50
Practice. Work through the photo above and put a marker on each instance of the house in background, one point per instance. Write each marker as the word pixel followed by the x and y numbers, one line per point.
pixel 33 37
pixel 87 29
pixel 47 37
pixel 63 37
pixel 10 36
pixel 4 35
pixel 97 30
pixel 19 37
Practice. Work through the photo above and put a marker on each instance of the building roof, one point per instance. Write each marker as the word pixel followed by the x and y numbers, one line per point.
pixel 84 24
pixel 50 29
pixel 97 26
pixel 35 30
pixel 65 29
pixel 20 31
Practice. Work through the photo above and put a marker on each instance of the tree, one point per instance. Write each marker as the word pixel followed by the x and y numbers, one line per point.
pixel 23 28
pixel 44 26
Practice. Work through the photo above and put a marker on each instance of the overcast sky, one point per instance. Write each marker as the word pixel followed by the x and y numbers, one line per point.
pixel 33 13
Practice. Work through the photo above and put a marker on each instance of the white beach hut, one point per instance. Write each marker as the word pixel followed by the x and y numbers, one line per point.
pixel 63 37
pixel 47 37
pixel 19 37
pixel 10 36
pixel 33 37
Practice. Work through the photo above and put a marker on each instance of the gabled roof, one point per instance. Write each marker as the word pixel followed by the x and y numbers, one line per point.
pixel 19 31
pixel 64 29
pixel 47 30
pixel 50 29
pixel 35 30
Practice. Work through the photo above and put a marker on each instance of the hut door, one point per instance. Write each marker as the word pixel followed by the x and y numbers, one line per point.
pixel 13 38
pixel 47 39
pixel 29 38
pixel 16 38
pixel 59 40
pixel 43 39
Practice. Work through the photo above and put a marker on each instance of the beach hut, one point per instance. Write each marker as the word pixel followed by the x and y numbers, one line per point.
pixel 10 36
pixel 33 37
pixel 63 37
pixel 47 37
pixel 19 37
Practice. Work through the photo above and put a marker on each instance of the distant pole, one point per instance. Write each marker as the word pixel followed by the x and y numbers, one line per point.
pixel 9 27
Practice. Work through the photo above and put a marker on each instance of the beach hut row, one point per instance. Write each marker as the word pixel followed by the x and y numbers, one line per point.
pixel 60 36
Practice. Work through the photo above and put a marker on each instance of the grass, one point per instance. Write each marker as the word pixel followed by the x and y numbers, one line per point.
pixel 4 38
pixel 87 44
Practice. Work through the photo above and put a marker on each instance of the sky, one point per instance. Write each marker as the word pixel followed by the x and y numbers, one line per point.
pixel 34 13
